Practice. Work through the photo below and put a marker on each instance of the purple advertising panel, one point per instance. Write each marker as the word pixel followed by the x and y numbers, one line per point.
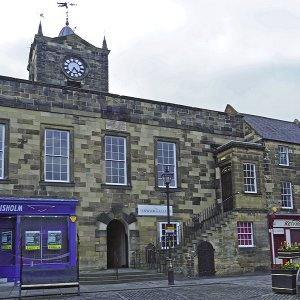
pixel 36 232
pixel 29 206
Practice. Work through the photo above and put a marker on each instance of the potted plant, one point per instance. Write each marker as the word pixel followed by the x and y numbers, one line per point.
pixel 288 250
pixel 284 278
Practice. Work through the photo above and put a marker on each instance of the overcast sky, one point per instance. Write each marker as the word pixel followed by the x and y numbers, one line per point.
pixel 202 53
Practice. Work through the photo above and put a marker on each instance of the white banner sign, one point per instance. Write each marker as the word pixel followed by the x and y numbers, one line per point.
pixel 278 231
pixel 154 210
pixel 286 223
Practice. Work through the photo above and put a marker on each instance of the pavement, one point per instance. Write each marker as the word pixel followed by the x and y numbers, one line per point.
pixel 245 286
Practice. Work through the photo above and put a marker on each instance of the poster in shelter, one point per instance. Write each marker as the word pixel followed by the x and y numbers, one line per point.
pixel 6 240
pixel 32 240
pixel 54 240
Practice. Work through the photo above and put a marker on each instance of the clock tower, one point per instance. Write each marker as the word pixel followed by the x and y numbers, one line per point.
pixel 68 60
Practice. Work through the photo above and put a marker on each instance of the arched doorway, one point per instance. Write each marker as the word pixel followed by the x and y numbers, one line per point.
pixel 206 259
pixel 117 245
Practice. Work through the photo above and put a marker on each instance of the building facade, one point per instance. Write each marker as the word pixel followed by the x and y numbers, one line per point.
pixel 66 139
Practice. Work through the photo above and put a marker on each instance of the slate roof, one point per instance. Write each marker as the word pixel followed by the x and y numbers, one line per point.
pixel 272 129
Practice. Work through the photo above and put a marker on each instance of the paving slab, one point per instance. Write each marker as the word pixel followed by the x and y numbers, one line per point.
pixel 245 286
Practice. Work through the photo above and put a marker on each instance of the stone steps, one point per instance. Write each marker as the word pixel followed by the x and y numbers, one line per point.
pixel 123 276
pixel 5 282
pixel 204 236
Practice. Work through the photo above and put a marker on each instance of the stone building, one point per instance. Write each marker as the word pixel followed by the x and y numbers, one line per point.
pixel 67 141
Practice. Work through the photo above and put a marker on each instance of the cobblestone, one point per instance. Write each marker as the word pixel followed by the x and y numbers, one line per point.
pixel 194 292
pixel 223 288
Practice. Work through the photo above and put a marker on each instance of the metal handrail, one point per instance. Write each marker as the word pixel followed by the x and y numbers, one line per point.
pixel 199 223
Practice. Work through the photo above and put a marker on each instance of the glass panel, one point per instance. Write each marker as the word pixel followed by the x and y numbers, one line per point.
pixel 57 155
pixel 115 157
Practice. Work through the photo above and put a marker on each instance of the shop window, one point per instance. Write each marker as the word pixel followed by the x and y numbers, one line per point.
pixel 57 155
pixel 286 195
pixel 249 178
pixel 168 238
pixel 115 160
pixel 166 157
pixel 45 239
pixel 283 156
pixel 245 234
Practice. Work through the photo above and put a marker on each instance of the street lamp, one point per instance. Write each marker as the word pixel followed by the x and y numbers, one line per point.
pixel 167 177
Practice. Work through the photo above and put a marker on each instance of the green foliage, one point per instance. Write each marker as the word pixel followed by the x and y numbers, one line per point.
pixel 290 266
pixel 288 246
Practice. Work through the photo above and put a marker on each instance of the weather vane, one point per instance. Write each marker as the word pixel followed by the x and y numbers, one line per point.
pixel 66 5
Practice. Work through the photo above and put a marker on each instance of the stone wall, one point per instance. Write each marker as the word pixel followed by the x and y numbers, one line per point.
pixel 29 107
pixel 47 56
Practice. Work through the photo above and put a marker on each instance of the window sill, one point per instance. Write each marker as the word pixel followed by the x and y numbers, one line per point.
pixel 252 194
pixel 114 186
pixel 246 247
pixel 3 181
pixel 171 190
pixel 289 209
pixel 53 183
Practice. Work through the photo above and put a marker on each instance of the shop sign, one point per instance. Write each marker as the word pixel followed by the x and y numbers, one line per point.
pixel 278 231
pixel 54 240
pixel 170 229
pixel 32 240
pixel 11 207
pixel 286 223
pixel 6 240
pixel 23 206
pixel 154 210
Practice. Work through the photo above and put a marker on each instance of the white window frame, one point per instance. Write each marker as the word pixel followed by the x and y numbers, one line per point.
pixel 2 151
pixel 284 156
pixel 166 161
pixel 57 155
pixel 249 178
pixel 286 195
pixel 162 235
pixel 114 160
pixel 245 239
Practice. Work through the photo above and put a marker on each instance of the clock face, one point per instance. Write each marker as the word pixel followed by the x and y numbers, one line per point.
pixel 74 68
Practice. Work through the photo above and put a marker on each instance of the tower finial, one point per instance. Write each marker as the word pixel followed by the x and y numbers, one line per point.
pixel 104 44
pixel 40 30
pixel 65 4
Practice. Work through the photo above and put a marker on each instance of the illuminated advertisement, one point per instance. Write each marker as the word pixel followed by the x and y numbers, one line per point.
pixel 32 240
pixel 54 240
pixel 6 240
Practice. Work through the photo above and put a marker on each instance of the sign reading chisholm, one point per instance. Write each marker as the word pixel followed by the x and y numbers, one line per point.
pixel 154 210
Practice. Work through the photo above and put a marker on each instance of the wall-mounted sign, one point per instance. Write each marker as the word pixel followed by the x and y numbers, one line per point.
pixel 6 240
pixel 73 218
pixel 278 231
pixel 154 210
pixel 286 223
pixel 54 240
pixel 170 229
pixel 32 240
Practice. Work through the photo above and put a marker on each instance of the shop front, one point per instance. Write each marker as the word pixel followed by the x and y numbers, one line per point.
pixel 283 228
pixel 36 233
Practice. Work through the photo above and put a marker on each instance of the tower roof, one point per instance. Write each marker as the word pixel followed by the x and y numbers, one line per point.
pixel 66 30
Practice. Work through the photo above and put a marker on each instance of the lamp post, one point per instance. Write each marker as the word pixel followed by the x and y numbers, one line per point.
pixel 167 177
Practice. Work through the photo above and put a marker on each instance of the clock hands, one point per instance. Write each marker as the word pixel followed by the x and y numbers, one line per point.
pixel 74 67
